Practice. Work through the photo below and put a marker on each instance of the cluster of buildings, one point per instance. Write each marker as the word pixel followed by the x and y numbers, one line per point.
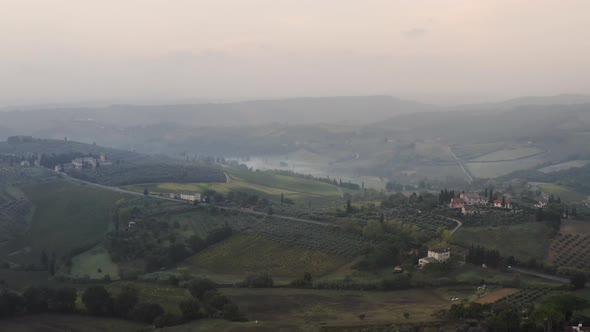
pixel 469 203
pixel 434 256
pixel 91 162
pixel 85 162
pixel 186 196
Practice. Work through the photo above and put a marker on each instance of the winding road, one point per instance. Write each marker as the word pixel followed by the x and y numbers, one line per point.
pixel 258 213
pixel 539 274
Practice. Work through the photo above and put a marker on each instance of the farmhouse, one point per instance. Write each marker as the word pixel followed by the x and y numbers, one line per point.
pixel 426 260
pixel 541 202
pixel 190 197
pixel 84 162
pixel 506 205
pixel 435 255
pixel 456 203
pixel 473 199
pixel 91 162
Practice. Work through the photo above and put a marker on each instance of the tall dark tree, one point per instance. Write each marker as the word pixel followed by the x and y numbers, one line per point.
pixel 115 220
pixel 52 262
pixel 348 206
pixel 44 259
pixel 578 280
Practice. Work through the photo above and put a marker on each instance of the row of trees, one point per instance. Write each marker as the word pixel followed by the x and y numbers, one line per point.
pixel 206 301
pixel 480 255
pixel 327 179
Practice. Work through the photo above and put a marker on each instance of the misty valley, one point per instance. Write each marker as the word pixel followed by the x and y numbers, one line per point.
pixel 295 166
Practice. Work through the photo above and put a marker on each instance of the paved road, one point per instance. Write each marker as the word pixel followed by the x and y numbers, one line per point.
pixel 539 274
pixel 459 223
pixel 460 164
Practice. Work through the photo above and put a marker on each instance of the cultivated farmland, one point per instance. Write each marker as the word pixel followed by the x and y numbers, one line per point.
pixel 572 250
pixel 509 154
pixel 333 240
pixel 524 298
pixel 523 241
pixel 131 173
pixel 495 169
pixel 264 184
pixel 298 307
pixel 248 254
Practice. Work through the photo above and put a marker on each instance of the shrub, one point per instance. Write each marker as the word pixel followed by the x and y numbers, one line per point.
pixel 125 301
pixel 190 309
pixel 263 280
pixel 97 300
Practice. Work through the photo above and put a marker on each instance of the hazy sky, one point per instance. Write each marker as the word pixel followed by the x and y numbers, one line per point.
pixel 437 50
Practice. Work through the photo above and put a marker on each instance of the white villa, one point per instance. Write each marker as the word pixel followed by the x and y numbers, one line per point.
pixel 191 197
pixel 435 255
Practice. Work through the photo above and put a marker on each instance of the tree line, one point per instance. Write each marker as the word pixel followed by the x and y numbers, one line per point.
pixel 205 301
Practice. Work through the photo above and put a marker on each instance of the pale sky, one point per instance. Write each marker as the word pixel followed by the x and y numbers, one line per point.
pixel 437 51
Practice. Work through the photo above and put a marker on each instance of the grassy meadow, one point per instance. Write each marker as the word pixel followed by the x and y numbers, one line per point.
pixel 95 263
pixel 564 192
pixel 564 166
